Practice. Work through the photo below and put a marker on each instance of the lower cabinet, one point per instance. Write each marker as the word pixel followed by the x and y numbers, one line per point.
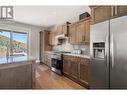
pixel 66 65
pixel 47 59
pixel 18 76
pixel 84 71
pixel 74 68
pixel 77 69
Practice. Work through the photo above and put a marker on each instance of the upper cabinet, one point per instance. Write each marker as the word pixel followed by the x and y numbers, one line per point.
pixel 100 13
pixel 119 11
pixel 72 34
pixel 103 13
pixel 59 30
pixel 63 29
pixel 87 29
pixel 79 32
pixel 52 37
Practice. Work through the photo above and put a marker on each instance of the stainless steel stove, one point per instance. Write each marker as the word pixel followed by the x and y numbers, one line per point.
pixel 57 62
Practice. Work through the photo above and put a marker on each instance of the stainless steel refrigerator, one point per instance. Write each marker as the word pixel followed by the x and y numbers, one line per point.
pixel 108 51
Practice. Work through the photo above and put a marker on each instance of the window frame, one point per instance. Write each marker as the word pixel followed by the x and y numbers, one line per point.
pixel 11 38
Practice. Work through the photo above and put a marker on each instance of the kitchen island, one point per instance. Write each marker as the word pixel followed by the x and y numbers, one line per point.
pixel 17 72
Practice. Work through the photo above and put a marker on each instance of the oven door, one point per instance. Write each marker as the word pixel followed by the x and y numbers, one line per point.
pixel 57 64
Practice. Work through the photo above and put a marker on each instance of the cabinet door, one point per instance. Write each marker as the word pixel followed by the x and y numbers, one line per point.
pixel 84 71
pixel 80 32
pixel 72 35
pixel 121 10
pixel 74 68
pixel 59 30
pixel 87 31
pixel 64 29
pixel 51 37
pixel 66 66
pixel 100 13
pixel 43 57
pixel 18 77
pixel 47 46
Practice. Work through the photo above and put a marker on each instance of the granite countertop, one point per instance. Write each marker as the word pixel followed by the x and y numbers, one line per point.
pixel 15 59
pixel 71 54
pixel 78 55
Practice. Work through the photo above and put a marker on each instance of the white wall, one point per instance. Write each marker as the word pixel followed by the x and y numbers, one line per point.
pixel 33 35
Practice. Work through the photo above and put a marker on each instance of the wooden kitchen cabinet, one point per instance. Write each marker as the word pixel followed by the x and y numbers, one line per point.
pixel 18 76
pixel 100 13
pixel 47 58
pixel 120 10
pixel 52 38
pixel 87 31
pixel 72 34
pixel 66 65
pixel 103 13
pixel 79 32
pixel 59 30
pixel 74 68
pixel 44 43
pixel 63 29
pixel 84 70
pixel 77 69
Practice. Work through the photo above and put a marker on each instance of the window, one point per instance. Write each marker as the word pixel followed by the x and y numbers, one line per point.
pixel 13 43
pixel 19 43
pixel 4 43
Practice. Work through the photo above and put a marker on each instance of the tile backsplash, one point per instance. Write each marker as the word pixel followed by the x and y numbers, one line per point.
pixel 66 46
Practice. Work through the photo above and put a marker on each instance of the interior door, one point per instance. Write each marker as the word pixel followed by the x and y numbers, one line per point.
pixel 99 67
pixel 118 50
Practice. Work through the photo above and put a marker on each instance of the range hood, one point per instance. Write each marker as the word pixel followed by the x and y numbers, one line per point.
pixel 61 37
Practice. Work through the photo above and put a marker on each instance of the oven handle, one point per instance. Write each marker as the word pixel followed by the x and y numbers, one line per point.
pixel 55 59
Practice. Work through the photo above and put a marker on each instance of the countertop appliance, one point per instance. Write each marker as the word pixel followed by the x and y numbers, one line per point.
pixel 108 52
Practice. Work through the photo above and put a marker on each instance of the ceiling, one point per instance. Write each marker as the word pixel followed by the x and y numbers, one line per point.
pixel 47 16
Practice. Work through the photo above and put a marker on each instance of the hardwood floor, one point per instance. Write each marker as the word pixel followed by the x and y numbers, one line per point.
pixel 46 79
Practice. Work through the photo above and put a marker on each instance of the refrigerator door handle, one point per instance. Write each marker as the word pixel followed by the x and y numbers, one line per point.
pixel 112 50
pixel 106 50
